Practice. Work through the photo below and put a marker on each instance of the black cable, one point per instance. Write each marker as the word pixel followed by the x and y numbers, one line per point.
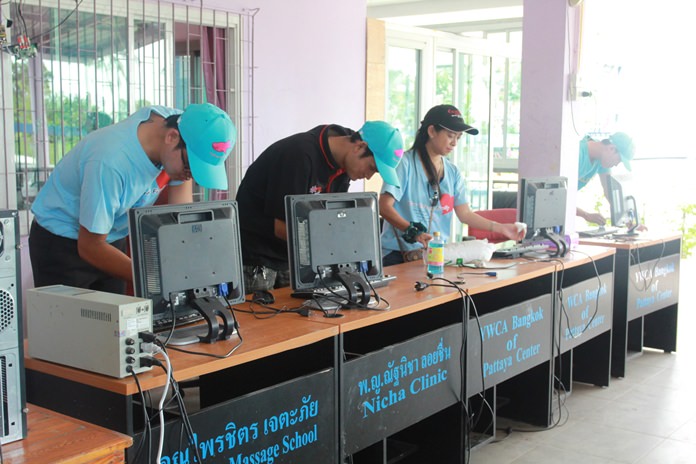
pixel 596 310
pixel 185 420
pixel 484 401
pixel 647 284
pixel 147 433
pixel 270 312
pixel 467 426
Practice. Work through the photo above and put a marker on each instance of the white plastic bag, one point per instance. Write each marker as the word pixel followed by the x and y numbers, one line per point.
pixel 470 250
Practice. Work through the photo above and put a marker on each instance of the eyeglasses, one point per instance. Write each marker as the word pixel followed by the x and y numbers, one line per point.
pixel 434 192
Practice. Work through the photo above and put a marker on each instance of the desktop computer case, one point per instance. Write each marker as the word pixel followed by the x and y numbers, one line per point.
pixel 13 423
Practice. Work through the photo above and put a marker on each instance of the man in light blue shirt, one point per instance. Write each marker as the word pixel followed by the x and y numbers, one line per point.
pixel 598 157
pixel 80 222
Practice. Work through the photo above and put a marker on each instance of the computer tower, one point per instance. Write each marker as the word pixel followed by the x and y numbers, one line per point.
pixel 13 423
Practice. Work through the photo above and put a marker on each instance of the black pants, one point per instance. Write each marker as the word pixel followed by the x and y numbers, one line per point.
pixel 55 260
pixel 394 257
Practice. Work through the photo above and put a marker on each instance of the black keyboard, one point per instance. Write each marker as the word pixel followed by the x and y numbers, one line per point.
pixel 598 232
pixel 338 290
pixel 518 250
pixel 164 324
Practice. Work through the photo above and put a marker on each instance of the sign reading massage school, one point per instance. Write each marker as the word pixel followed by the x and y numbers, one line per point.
pixel 515 338
pixel 289 423
pixel 587 311
pixel 393 388
pixel 652 285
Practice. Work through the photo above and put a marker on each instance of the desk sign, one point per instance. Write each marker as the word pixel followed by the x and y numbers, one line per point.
pixel 652 285
pixel 515 339
pixel 397 386
pixel 586 311
pixel 288 423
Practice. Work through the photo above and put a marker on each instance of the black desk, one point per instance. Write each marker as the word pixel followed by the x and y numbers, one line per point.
pixel 583 319
pixel 522 327
pixel 646 295
pixel 370 387
pixel 275 396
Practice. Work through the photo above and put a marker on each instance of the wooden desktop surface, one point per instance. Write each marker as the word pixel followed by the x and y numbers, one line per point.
pixel 55 438
pixel 643 239
pixel 265 337
pixel 262 338
pixel 403 298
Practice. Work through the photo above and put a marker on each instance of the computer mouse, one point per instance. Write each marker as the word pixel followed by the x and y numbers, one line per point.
pixel 263 297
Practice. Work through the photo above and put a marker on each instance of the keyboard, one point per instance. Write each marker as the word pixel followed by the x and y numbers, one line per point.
pixel 338 290
pixel 598 232
pixel 164 324
pixel 519 249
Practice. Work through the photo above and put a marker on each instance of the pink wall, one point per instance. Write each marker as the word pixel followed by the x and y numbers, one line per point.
pixel 309 59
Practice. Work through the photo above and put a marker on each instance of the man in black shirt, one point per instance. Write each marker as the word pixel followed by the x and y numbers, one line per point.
pixel 322 160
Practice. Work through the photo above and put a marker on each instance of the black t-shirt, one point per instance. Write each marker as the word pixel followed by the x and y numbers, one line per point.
pixel 299 164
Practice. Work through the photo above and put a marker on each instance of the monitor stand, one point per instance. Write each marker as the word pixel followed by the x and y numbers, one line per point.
pixel 558 241
pixel 220 325
pixel 187 335
pixel 357 287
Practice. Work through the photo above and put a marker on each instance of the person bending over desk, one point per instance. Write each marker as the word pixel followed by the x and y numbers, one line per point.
pixel 322 160
pixel 432 191
pixel 78 236
pixel 598 157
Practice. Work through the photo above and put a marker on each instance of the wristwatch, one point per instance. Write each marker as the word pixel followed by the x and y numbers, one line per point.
pixel 413 230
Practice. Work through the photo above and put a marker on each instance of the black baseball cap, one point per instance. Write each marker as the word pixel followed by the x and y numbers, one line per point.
pixel 449 117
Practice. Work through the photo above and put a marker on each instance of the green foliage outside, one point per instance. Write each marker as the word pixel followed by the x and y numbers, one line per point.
pixel 688 229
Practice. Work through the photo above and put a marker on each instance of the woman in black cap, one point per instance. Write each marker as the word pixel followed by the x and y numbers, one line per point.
pixel 432 191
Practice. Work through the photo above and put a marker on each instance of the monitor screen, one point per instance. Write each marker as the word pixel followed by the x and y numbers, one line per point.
pixel 186 256
pixel 333 240
pixel 543 204
pixel 623 209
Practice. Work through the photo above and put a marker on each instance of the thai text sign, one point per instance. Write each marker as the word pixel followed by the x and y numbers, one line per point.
pixel 288 423
pixel 388 390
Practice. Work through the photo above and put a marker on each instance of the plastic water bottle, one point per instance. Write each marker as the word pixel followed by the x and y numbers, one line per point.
pixel 436 255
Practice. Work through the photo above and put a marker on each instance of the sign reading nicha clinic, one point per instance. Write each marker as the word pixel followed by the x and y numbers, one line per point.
pixel 652 285
pixel 587 311
pixel 397 386
pixel 515 339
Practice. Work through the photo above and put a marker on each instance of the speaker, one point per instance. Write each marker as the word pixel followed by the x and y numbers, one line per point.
pixel 13 418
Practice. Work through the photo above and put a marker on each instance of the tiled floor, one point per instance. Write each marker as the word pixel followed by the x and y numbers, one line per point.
pixel 647 417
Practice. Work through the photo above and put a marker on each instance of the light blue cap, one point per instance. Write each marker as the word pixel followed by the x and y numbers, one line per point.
pixel 624 145
pixel 209 135
pixel 387 145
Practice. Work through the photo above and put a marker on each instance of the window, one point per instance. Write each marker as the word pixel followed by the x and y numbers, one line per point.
pixel 91 64
pixel 403 75
pixel 481 76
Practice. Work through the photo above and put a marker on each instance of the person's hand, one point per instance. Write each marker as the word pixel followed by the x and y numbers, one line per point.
pixel 595 218
pixel 424 238
pixel 512 232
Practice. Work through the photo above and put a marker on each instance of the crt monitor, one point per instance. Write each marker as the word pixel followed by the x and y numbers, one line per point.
pixel 333 241
pixel 623 210
pixel 187 260
pixel 543 208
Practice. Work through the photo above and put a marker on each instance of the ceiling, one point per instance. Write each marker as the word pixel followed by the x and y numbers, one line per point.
pixel 455 16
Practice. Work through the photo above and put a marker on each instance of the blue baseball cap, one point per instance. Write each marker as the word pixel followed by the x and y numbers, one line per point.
pixel 209 135
pixel 624 145
pixel 386 143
